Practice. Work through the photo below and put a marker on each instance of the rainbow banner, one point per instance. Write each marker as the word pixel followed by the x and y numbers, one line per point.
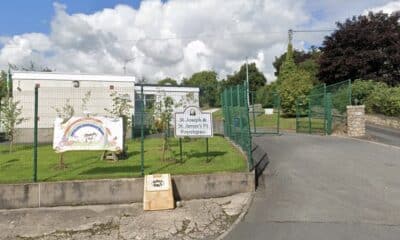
pixel 88 133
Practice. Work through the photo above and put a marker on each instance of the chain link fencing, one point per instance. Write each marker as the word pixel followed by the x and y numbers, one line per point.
pixel 324 109
pixel 150 143
pixel 235 111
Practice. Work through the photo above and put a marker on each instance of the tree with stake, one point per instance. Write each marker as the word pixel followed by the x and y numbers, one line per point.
pixel 11 117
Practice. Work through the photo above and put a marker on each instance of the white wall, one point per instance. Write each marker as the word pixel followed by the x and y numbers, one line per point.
pixel 53 93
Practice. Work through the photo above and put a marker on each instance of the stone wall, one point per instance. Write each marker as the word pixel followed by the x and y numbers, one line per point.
pixel 356 121
pixel 393 122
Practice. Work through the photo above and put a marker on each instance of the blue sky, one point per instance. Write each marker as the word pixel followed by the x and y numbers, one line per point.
pixel 21 16
pixel 98 41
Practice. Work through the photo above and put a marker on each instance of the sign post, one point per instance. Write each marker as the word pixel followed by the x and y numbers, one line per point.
pixel 193 123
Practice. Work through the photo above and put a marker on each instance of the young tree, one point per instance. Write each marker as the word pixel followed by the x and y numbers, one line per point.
pixel 10 118
pixel 163 115
pixel 364 47
pixel 121 108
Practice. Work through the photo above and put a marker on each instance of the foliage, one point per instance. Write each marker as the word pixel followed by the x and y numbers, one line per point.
pixel 265 95
pixel 66 111
pixel 305 60
pixel 167 81
pixel 121 106
pixel 366 47
pixel 256 78
pixel 362 89
pixel 164 111
pixel 85 101
pixel 209 87
pixel 31 67
pixel 11 117
pixel 384 100
pixel 293 84
pixel 3 84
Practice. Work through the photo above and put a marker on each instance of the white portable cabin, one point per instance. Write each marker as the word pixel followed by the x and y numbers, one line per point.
pixel 182 96
pixel 58 89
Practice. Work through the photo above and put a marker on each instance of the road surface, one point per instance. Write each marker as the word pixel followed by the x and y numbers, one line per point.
pixel 382 134
pixel 319 187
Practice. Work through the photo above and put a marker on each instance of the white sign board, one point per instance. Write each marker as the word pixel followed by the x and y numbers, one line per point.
pixel 157 182
pixel 193 123
pixel 88 133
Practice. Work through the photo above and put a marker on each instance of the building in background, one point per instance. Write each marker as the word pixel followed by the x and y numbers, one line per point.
pixel 86 94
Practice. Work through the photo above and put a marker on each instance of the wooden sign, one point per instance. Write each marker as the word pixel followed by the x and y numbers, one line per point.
pixel 158 192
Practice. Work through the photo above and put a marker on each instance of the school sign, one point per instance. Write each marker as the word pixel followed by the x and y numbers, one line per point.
pixel 193 123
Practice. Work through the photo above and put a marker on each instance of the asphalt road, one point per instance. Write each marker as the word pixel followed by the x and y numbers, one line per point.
pixel 318 187
pixel 382 134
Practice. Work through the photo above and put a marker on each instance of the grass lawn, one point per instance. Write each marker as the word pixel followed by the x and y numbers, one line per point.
pixel 17 166
pixel 269 122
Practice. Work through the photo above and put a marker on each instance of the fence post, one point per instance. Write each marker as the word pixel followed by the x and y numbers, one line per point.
pixel 180 149
pixel 254 114
pixel 141 132
pixel 328 107
pixel 309 116
pixel 35 133
pixel 297 115
pixel 279 113
pixel 350 92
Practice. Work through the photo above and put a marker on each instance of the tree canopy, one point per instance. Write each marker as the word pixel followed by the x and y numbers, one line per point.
pixel 293 84
pixel 3 84
pixel 209 87
pixel 366 47
pixel 256 78
pixel 167 81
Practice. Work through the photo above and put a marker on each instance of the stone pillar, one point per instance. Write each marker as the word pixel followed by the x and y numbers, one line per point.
pixel 356 121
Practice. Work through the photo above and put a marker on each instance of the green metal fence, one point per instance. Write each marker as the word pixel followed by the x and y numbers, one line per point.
pixel 324 109
pixel 265 121
pixel 235 110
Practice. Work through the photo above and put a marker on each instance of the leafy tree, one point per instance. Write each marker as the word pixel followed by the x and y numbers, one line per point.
pixel 364 47
pixel 209 87
pixel 265 95
pixel 11 117
pixel 167 81
pixel 256 78
pixel 3 84
pixel 293 84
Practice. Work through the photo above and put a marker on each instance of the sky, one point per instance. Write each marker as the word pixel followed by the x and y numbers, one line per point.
pixel 155 39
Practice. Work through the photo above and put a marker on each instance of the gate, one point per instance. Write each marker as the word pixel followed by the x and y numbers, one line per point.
pixel 324 110
pixel 265 121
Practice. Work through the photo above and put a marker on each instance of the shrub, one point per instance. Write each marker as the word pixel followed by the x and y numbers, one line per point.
pixel 384 100
pixel 361 89
pixel 265 95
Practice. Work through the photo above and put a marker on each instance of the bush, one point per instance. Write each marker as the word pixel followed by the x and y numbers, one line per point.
pixel 265 95
pixel 362 89
pixel 384 100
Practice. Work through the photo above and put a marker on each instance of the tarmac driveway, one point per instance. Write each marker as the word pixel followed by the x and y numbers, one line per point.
pixel 319 187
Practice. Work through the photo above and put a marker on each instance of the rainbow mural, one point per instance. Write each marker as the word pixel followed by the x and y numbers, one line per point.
pixel 88 133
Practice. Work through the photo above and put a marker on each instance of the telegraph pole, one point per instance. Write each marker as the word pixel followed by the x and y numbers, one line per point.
pixel 290 35
pixel 247 82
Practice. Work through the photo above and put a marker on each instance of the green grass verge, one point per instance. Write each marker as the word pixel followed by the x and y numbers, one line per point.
pixel 17 166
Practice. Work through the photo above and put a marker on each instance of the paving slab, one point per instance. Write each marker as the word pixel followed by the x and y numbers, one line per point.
pixel 195 219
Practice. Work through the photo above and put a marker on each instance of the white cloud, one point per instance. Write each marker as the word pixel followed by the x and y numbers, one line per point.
pixel 389 8
pixel 201 35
